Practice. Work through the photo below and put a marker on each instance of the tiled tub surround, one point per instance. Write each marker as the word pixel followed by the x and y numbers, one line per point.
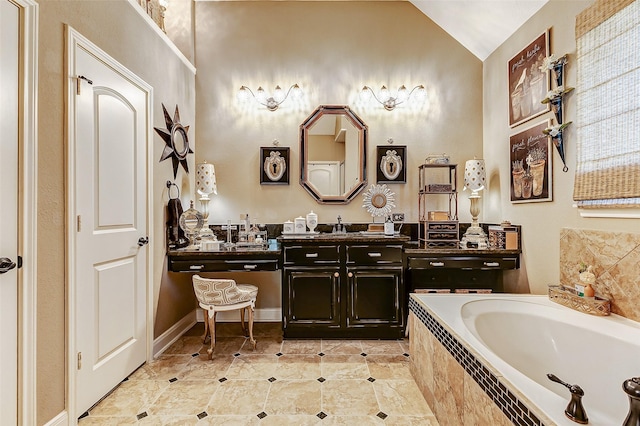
pixel 284 382
pixel 484 358
pixel 615 257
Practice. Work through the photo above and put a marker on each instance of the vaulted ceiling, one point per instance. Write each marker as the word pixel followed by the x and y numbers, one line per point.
pixel 479 25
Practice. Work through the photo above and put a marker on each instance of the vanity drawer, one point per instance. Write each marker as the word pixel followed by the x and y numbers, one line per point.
pixel 311 255
pixel 374 254
pixel 462 262
pixel 197 265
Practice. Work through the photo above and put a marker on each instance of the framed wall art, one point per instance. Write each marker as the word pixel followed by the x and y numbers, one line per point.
pixel 391 163
pixel 528 84
pixel 274 166
pixel 530 156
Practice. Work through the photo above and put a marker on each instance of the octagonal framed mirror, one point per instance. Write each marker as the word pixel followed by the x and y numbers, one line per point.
pixel 333 154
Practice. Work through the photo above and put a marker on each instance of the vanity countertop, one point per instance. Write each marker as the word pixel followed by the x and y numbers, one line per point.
pixel 183 252
pixel 460 252
pixel 351 237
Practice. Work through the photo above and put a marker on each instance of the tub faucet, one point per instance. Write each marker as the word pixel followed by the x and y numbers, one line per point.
pixel 574 411
pixel 632 388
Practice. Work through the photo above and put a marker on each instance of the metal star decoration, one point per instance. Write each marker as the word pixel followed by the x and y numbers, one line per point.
pixel 172 134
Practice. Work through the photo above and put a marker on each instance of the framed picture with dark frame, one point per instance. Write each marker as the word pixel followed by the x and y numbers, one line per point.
pixel 274 165
pixel 391 164
pixel 530 155
pixel 528 85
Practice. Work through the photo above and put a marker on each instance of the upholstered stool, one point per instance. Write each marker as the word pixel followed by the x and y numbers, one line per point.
pixel 215 295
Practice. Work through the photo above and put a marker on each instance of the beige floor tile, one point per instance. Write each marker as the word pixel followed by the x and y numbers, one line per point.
pixel 341 347
pixel 290 420
pixel 239 397
pixel 227 345
pixel 301 346
pixel 349 397
pixel 352 421
pixel 203 368
pixel 164 368
pixel 130 398
pixel 294 397
pixel 344 367
pixel 185 345
pixel 412 421
pixel 390 347
pixel 401 397
pixel 107 421
pixel 253 367
pixel 265 345
pixel 263 329
pixel 184 398
pixel 230 421
pixel 299 367
pixel 169 421
pixel 389 367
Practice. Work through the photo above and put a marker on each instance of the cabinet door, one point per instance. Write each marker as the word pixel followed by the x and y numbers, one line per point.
pixel 374 297
pixel 311 296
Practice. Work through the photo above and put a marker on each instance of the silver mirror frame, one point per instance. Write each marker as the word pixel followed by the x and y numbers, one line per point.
pixel 362 128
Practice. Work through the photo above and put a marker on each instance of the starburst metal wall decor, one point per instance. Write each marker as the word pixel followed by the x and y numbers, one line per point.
pixel 175 134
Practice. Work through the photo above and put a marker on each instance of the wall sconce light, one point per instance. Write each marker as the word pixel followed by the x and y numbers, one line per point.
pixel 272 102
pixel 388 101
pixel 205 185
pixel 474 179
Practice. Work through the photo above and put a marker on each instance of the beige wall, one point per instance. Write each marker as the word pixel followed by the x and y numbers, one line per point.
pixel 541 222
pixel 331 49
pixel 116 28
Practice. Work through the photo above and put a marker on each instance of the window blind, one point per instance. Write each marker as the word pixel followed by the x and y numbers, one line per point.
pixel 608 105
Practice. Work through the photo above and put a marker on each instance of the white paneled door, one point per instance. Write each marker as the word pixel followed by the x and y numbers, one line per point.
pixel 9 202
pixel 108 146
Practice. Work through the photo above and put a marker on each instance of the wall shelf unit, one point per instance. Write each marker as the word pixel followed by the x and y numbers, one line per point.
pixel 437 228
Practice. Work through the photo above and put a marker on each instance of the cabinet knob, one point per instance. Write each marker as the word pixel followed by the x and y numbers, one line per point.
pixel 350 274
pixel 336 274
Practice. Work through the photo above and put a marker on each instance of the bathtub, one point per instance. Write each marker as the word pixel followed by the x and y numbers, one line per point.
pixel 521 338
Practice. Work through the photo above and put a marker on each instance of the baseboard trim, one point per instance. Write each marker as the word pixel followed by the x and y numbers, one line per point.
pixel 166 339
pixel 260 315
pixel 61 419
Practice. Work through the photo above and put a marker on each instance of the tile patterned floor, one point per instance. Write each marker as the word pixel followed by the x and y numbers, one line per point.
pixel 284 382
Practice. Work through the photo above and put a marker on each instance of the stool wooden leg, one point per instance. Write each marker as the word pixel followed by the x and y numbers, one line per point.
pixel 244 329
pixel 206 327
pixel 211 319
pixel 251 339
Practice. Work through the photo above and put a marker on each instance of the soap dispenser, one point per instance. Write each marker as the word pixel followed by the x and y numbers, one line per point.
pixel 388 226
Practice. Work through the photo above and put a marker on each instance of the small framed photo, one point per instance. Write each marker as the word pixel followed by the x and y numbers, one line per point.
pixel 391 164
pixel 528 84
pixel 530 156
pixel 274 166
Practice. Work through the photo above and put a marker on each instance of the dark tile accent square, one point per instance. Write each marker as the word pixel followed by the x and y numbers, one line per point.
pixel 262 415
pixel 321 379
pixel 222 380
pixel 321 415
pixel 321 354
pixel 83 415
pixel 371 379
pixel 174 379
pixel 272 379
pixel 202 415
pixel 236 354
pixel 126 379
pixel 363 354
pixel 382 415
pixel 406 354
pixel 142 415
pixel 195 355
pixel 279 354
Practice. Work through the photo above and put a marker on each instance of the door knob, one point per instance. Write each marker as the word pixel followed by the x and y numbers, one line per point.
pixel 142 241
pixel 6 265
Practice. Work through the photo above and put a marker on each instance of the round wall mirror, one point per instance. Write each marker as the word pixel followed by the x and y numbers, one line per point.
pixel 333 146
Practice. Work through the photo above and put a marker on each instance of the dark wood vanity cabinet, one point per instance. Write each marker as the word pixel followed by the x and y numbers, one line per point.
pixel 343 290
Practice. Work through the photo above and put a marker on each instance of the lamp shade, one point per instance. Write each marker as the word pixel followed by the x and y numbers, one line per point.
pixel 206 179
pixel 474 175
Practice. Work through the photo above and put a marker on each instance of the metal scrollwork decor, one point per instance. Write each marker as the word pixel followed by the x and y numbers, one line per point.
pixel 391 160
pixel 274 166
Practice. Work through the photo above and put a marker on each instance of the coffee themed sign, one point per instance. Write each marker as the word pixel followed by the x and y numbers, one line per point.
pixel 530 155
pixel 528 84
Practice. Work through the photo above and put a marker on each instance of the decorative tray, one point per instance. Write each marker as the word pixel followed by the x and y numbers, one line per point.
pixel 568 297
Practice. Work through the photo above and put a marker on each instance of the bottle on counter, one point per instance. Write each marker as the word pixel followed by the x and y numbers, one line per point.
pixel 388 226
